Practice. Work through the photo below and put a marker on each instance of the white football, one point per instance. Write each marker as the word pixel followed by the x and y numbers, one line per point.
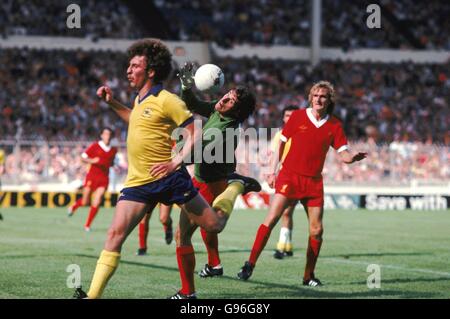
pixel 209 77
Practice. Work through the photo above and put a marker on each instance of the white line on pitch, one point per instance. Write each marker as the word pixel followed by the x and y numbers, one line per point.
pixel 200 245
pixel 426 271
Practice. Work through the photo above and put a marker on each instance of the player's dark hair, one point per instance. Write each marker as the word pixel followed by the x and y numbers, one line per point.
pixel 245 104
pixel 289 108
pixel 107 128
pixel 157 54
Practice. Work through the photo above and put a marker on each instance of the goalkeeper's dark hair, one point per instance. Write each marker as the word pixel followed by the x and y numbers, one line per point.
pixel 157 54
pixel 245 104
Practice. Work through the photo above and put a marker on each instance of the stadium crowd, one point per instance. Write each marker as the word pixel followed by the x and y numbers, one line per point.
pixel 281 22
pixel 397 163
pixel 384 102
pixel 347 28
pixel 401 106
pixel 99 19
pixel 228 23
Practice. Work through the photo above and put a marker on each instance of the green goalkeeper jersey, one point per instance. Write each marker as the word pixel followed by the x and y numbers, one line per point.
pixel 213 166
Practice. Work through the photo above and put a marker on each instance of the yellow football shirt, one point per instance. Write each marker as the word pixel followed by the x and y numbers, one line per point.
pixel 275 145
pixel 150 127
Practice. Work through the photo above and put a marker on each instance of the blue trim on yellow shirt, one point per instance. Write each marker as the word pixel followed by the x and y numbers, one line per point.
pixel 153 91
pixel 187 122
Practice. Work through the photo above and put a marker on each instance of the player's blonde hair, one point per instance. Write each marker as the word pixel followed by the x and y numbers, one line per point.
pixel 331 94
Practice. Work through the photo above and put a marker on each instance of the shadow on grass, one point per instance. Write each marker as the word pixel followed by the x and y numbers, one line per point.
pixel 268 289
pixel 134 263
pixel 347 256
pixel 222 251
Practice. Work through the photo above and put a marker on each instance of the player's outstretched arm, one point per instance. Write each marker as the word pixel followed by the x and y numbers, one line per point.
pixel 348 157
pixel 186 76
pixel 105 93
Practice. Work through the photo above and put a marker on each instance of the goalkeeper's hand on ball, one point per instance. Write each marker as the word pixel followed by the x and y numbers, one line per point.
pixel 186 75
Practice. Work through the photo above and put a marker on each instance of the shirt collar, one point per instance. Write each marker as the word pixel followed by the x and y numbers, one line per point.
pixel 104 147
pixel 313 119
pixel 153 91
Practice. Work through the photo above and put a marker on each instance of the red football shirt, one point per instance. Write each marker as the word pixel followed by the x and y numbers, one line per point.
pixel 106 155
pixel 310 141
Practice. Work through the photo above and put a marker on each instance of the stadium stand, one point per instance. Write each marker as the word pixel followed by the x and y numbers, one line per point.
pixel 385 102
pixel 268 22
pixel 399 110
pixel 235 22
pixel 25 17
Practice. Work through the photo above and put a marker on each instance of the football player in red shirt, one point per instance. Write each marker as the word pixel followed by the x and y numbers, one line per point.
pixel 100 155
pixel 312 131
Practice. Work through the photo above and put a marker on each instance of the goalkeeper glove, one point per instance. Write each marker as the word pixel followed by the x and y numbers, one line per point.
pixel 186 75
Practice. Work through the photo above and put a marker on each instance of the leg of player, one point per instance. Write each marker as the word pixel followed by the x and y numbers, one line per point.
pixel 289 222
pixel 83 201
pixel 278 205
pixel 315 215
pixel 213 220
pixel 143 233
pixel 213 267
pixel 284 245
pixel 166 221
pixel 95 204
pixel 210 191
pixel 185 257
pixel 127 215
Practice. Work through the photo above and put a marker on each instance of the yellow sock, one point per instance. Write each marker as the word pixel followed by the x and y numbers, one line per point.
pixel 106 265
pixel 225 201
pixel 288 247
pixel 281 246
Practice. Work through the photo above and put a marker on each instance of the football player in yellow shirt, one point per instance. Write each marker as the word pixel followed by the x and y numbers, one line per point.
pixel 154 175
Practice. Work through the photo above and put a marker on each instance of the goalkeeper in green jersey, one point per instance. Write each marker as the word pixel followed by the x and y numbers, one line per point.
pixel 212 177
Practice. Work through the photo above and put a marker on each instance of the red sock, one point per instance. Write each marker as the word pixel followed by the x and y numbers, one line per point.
pixel 77 204
pixel 212 246
pixel 312 254
pixel 143 234
pixel 186 266
pixel 262 236
pixel 92 212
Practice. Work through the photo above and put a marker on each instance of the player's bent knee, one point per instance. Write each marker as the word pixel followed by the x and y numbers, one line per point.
pixel 95 204
pixel 212 227
pixel 115 237
pixel 316 231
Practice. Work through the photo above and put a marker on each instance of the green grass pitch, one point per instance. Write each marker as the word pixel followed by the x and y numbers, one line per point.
pixel 411 247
